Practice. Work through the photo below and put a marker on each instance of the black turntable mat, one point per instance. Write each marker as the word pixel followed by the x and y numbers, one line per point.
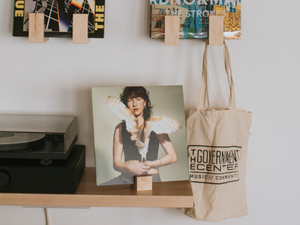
pixel 18 141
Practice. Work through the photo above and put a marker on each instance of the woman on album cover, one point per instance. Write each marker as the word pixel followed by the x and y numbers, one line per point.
pixel 138 137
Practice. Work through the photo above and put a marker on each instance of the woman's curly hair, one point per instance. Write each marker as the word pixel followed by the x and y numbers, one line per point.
pixel 134 92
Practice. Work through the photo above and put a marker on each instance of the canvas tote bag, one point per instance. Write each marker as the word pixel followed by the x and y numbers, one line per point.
pixel 217 147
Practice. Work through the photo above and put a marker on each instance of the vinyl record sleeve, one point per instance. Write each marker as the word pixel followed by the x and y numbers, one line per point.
pixel 194 14
pixel 167 101
pixel 59 16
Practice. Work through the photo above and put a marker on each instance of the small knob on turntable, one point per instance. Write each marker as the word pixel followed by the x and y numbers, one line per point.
pixel 4 179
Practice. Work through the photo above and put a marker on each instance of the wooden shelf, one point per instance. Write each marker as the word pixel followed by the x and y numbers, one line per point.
pixel 164 195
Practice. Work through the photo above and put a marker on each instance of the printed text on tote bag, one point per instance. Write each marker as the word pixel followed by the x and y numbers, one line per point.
pixel 214 164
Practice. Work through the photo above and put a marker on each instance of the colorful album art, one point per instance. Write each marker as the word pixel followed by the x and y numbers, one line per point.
pixel 194 22
pixel 59 16
pixel 139 131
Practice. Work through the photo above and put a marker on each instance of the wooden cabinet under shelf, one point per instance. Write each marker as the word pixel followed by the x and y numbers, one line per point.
pixel 175 194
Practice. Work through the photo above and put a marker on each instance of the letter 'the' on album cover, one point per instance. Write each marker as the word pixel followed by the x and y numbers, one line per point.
pixel 139 131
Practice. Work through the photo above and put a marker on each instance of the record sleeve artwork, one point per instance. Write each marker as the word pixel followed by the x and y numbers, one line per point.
pixel 58 16
pixel 126 146
pixel 194 15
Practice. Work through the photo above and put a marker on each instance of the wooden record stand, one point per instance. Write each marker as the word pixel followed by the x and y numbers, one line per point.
pixel 172 25
pixel 36 28
pixel 216 29
pixel 36 31
pixel 142 183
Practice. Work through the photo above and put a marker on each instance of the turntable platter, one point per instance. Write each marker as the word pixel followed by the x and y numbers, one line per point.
pixel 20 141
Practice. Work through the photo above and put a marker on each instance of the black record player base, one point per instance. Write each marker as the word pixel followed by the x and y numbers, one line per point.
pixel 29 176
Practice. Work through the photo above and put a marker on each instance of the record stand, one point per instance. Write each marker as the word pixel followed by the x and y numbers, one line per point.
pixel 216 30
pixel 142 183
pixel 36 31
pixel 172 25
pixel 80 29
pixel 36 28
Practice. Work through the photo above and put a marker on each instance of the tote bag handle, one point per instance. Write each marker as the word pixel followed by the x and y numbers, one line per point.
pixel 203 99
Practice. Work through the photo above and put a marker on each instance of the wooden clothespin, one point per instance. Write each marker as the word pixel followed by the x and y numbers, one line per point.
pixel 36 29
pixel 172 25
pixel 216 30
pixel 80 29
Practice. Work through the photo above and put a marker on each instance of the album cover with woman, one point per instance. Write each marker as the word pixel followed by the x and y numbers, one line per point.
pixel 139 130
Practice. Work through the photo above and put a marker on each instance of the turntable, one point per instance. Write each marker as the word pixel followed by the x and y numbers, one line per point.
pixel 38 154
pixel 37 136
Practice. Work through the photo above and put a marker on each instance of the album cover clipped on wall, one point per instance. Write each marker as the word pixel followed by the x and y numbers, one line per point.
pixel 194 15
pixel 139 131
pixel 59 16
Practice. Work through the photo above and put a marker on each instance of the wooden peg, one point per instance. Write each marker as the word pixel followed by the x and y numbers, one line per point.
pixel 143 183
pixel 36 29
pixel 172 25
pixel 80 29
pixel 216 30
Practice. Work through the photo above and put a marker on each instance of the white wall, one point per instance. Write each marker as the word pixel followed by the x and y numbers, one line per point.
pixel 56 78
